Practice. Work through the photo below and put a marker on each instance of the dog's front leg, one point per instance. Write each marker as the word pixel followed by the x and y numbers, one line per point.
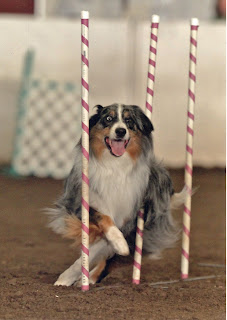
pixel 100 250
pixel 112 233
pixel 100 226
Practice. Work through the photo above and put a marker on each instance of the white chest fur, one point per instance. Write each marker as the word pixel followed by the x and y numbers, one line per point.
pixel 116 186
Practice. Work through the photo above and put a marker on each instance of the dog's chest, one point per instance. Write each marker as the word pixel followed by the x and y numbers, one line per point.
pixel 116 191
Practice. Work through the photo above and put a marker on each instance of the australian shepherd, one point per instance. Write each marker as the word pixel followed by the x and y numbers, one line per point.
pixel 124 177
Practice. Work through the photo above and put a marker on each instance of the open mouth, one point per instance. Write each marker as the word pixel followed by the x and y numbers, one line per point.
pixel 116 146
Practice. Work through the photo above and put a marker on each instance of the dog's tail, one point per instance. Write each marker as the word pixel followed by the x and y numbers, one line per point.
pixel 57 219
pixel 69 226
pixel 178 199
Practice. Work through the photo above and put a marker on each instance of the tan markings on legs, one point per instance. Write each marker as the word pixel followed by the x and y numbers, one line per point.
pixel 73 230
pixel 103 221
pixel 96 272
pixel 112 233
pixel 99 225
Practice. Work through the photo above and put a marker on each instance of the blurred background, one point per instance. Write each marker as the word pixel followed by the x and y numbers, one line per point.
pixel 119 46
pixel 40 76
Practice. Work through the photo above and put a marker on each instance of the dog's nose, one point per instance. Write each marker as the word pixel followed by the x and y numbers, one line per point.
pixel 120 132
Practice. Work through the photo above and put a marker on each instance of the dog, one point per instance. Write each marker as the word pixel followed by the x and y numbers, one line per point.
pixel 124 177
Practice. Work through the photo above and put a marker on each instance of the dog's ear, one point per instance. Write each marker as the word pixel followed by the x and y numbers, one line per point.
pixel 95 118
pixel 142 121
pixel 98 108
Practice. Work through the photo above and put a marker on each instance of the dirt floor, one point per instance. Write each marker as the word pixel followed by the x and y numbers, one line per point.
pixel 32 257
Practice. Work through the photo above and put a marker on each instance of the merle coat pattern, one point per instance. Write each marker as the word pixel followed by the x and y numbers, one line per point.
pixel 119 187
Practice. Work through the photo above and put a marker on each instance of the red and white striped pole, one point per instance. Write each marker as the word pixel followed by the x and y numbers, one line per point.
pixel 85 149
pixel 149 106
pixel 138 248
pixel 189 149
pixel 152 65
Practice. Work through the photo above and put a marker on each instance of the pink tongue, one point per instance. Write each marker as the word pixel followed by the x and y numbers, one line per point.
pixel 117 147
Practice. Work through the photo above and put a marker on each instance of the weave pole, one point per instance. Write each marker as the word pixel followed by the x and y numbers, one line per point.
pixel 85 150
pixel 152 65
pixel 149 106
pixel 189 149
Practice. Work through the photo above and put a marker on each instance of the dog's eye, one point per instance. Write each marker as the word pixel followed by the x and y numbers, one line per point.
pixel 109 118
pixel 129 121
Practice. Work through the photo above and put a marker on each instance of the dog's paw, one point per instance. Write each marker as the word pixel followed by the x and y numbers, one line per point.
pixel 78 283
pixel 67 278
pixel 64 282
pixel 117 240
pixel 155 256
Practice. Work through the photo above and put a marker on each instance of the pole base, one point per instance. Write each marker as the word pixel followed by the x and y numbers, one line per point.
pixel 134 281
pixel 84 288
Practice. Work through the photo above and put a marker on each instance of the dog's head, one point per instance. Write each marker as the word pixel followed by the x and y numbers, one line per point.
pixel 119 129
